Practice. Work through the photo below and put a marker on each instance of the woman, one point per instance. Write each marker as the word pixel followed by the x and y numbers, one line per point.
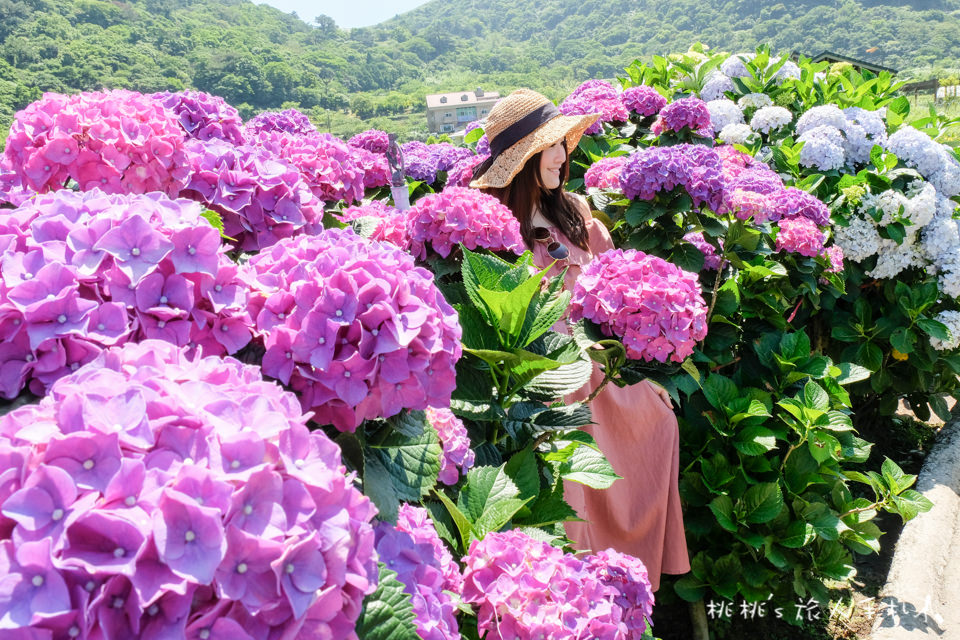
pixel 634 426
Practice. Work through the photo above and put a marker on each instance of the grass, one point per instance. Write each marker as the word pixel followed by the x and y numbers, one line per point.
pixel 920 108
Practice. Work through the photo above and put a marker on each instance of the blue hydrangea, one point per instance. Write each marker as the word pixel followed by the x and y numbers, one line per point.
pixel 822 148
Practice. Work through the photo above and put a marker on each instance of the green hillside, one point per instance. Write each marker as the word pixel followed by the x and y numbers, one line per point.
pixel 258 57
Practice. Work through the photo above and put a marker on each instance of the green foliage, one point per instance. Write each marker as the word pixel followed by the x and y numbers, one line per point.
pixel 387 613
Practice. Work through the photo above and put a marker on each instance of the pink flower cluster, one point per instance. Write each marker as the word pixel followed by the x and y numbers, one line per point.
pixel 410 549
pixel 440 221
pixel 289 121
pixel 800 235
pixel 11 189
pixel 694 167
pixel 259 198
pixel 458 457
pixel 372 140
pixel 527 589
pixel 654 306
pixel 85 270
pixel 834 254
pixel 353 326
pixel 605 173
pixel 595 96
pixel 461 173
pixel 415 521
pixel 643 100
pixel 686 113
pixel 328 166
pixel 391 223
pixel 711 261
pixel 376 170
pixel 203 116
pixel 152 495
pixel 118 141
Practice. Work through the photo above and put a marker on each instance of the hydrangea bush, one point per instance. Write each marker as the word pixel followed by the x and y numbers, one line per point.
pixel 203 116
pixel 440 221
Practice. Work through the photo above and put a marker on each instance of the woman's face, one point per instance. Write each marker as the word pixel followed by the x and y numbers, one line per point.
pixel 551 162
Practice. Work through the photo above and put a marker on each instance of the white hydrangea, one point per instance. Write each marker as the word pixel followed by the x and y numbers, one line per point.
pixel 916 149
pixel 947 178
pixel 945 207
pixel 716 85
pixel 788 70
pixel 888 203
pixel 822 148
pixel 828 115
pixel 921 204
pixel 734 66
pixel 863 130
pixel 892 258
pixel 766 119
pixel 940 243
pixel 756 100
pixel 736 134
pixel 952 321
pixel 724 112
pixel 859 240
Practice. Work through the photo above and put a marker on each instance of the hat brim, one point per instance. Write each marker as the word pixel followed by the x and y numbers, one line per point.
pixel 509 163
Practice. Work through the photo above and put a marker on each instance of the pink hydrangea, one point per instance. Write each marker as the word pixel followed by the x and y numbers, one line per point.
pixel 420 569
pixel 711 261
pixel 87 270
pixel 800 235
pixel 372 140
pixel 526 589
pixel 328 166
pixel 376 170
pixel 440 221
pixel 289 121
pixel 416 521
pixel 605 173
pixel 595 96
pixel 654 306
pixel 203 116
pixel 835 255
pixel 118 141
pixel 686 113
pixel 391 223
pixel 461 174
pixel 353 326
pixel 259 198
pixel 643 100
pixel 749 204
pixel 11 189
pixel 152 494
pixel 458 457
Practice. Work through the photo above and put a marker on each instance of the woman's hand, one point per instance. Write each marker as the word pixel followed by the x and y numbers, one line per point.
pixel 661 392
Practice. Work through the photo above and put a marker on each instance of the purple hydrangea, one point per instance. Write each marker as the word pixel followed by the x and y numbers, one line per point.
pixel 289 121
pixel 458 457
pixel 595 96
pixel 416 521
pixel 420 570
pixel 353 326
pixel 203 116
pixel 643 100
pixel 425 161
pixel 696 168
pixel 711 261
pixel 259 198
pixel 373 140
pixel 461 174
pixel 457 215
pixel 800 235
pixel 792 203
pixel 328 166
pixel 628 576
pixel 686 113
pixel 654 306
pixel 117 141
pixel 87 270
pixel 157 495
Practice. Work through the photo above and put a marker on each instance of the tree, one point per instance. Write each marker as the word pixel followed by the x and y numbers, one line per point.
pixel 325 25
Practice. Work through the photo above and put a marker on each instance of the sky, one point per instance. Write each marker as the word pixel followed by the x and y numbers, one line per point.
pixel 348 14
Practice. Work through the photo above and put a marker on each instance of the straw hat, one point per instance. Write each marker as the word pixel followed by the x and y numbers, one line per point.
pixel 520 126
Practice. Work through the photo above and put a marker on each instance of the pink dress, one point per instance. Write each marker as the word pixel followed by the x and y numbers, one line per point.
pixel 639 515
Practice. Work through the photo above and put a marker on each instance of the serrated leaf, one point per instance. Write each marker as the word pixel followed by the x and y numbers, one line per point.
pixel 934 328
pixel 522 469
pixel 409 422
pixel 815 397
pixel 411 463
pixel 690 588
pixel 549 508
pixel 378 486
pixel 587 465
pixel 463 524
pixel 497 515
pixel 562 381
pixel 387 613
pixel 761 503
pixel 484 487
pixel 799 534
pixel 850 373
pixel 722 508
pixel 755 441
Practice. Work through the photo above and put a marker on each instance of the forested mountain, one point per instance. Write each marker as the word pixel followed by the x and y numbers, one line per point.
pixel 258 57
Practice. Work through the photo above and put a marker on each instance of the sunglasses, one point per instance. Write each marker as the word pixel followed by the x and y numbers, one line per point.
pixel 555 250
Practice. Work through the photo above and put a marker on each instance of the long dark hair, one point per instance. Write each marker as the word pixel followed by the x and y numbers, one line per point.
pixel 526 192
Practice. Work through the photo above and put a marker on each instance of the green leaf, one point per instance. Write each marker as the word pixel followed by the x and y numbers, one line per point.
pixel 497 515
pixel 722 508
pixel 473 136
pixel 761 503
pixel 585 463
pixel 378 486
pixel 900 106
pixel 755 441
pixel 902 339
pixel 799 534
pixel 387 613
pixel 850 373
pixel 870 355
pixel 719 390
pixel 548 508
pixel 522 469
pixel 464 526
pixel 823 446
pixel 411 463
pixel 824 521
pixel 896 479
pixel 933 328
pixel 484 487
pixel 562 381
pixel 815 397
pixel 409 422
pixel 690 588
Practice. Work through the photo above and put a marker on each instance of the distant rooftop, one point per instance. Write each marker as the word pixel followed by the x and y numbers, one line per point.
pixel 830 56
pixel 461 98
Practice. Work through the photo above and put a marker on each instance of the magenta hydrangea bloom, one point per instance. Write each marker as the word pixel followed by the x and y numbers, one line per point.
pixel 643 100
pixel 527 589
pixel 751 205
pixel 12 191
pixel 694 167
pixel 595 96
pixel 203 116
pixel 90 270
pixel 118 141
pixel 792 202
pixel 605 173
pixel 416 521
pixel 372 140
pixel 685 113
pixel 654 306
pixel 834 253
pixel 353 326
pixel 420 571
pixel 376 169
pixel 391 223
pixel 259 198
pixel 458 457
pixel 327 165
pixel 461 173
pixel 800 235
pixel 440 221
pixel 425 161
pixel 289 121
pixel 195 502
pixel 711 261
